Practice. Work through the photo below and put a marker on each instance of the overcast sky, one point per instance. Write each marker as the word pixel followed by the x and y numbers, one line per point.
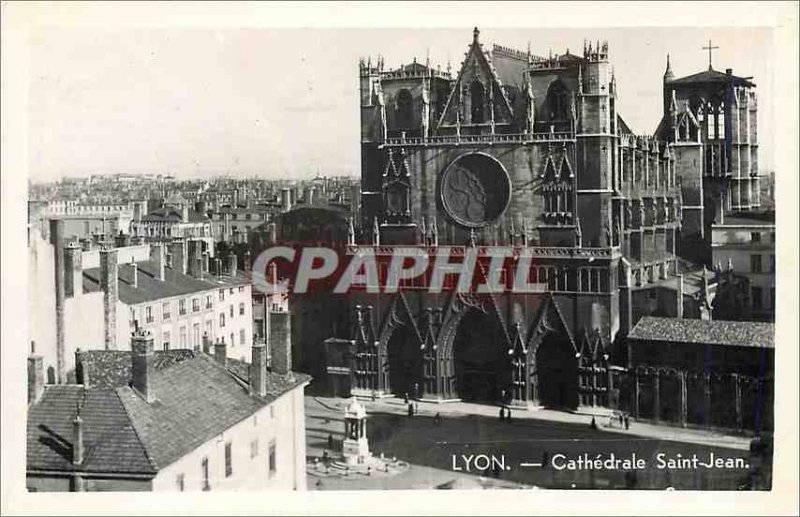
pixel 284 102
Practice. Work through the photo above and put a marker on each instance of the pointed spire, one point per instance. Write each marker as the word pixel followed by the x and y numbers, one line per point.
pixel 668 76
pixel 376 232
pixel 351 232
pixel 475 34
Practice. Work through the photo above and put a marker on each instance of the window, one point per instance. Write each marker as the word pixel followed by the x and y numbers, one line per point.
pixel 179 481
pixel 241 288
pixel 209 329
pixel 208 301
pixel 231 290
pixel 221 319
pixel 148 314
pixel 204 474
pixel 254 447
pixel 166 311
pixel 755 237
pixel 183 336
pixel 182 306
pixel 271 459
pixel 404 113
pixel 133 317
pixel 222 295
pixel 755 295
pixel 196 335
pixel 228 460
pixel 195 304
pixel 558 104
pixel 248 216
pixel 231 310
pixel 755 263
pixel 165 340
pixel 477 97
pixel 772 263
pixel 241 337
pixel 232 341
pixel 241 309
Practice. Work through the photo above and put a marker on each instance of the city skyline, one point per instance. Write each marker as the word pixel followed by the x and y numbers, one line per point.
pixel 143 101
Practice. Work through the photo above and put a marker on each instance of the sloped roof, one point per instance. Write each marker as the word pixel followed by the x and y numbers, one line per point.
pixel 712 76
pixel 196 399
pixel 107 369
pixel 719 332
pixel 110 441
pixel 149 288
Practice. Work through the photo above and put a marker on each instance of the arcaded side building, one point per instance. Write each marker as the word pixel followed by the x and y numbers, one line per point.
pixel 517 150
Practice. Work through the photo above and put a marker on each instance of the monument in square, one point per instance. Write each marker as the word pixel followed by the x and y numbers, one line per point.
pixel 355 447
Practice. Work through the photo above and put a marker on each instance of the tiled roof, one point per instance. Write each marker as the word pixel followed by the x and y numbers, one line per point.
pixel 731 333
pixel 196 400
pixel 112 368
pixel 110 442
pixel 149 288
pixel 712 76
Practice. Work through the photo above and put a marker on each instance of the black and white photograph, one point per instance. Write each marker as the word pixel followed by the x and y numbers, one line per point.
pixel 329 252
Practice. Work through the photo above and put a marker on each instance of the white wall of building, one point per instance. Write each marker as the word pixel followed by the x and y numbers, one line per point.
pixel 282 423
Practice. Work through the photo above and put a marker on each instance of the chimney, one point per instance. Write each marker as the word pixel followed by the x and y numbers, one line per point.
pixel 177 249
pixel 35 376
pixel 258 370
pixel 286 201
pixel 81 368
pixel 231 264
pixel 194 261
pixel 158 256
pixel 247 260
pixel 729 71
pixel 108 283
pixel 280 341
pixel 134 273
pixel 206 343
pixel 221 352
pixel 57 240
pixel 142 363
pixel 73 271
pixel 77 439
pixel 206 260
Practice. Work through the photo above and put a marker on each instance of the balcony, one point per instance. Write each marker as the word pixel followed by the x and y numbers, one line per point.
pixel 497 138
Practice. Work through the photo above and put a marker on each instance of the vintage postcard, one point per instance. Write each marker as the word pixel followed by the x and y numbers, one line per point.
pixel 330 260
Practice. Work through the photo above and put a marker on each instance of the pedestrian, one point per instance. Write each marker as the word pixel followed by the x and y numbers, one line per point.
pixel 410 410
pixel 405 398
pixel 621 419
pixel 325 456
pixel 502 415
pixel 330 441
pixel 593 424
pixel 373 395
pixel 627 423
pixel 437 419
pixel 508 414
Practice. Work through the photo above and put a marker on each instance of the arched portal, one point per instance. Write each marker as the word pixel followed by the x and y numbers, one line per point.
pixel 557 372
pixel 403 362
pixel 480 359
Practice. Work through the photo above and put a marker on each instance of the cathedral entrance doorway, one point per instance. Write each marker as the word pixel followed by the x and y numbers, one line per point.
pixel 480 366
pixel 403 362
pixel 557 372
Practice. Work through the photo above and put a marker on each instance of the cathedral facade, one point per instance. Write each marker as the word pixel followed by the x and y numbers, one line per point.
pixel 529 152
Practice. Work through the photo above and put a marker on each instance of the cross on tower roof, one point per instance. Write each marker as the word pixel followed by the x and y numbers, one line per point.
pixel 709 48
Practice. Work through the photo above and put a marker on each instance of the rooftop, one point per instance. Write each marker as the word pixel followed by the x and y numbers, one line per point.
pixel 752 218
pixel 196 399
pixel 149 288
pixel 720 332
pixel 713 76
pixel 174 215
